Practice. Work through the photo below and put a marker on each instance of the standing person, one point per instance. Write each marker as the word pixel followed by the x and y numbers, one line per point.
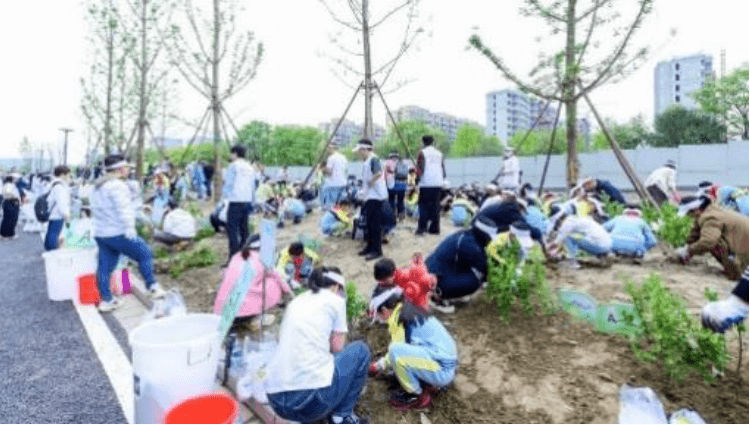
pixel 59 206
pixel 208 173
pixel 199 179
pixel 283 174
pixel 335 172
pixel 114 227
pixel 11 208
pixel 314 376
pixel 661 183
pixel 431 175
pixel 390 174
pixel 375 193
pixel 399 172
pixel 511 171
pixel 239 191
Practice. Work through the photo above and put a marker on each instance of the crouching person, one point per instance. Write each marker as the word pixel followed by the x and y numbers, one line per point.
pixel 313 376
pixel 631 236
pixel 580 233
pixel 422 353
pixel 179 226
pixel 722 233
pixel 733 310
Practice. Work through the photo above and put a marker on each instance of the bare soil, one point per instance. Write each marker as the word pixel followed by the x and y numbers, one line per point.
pixel 532 369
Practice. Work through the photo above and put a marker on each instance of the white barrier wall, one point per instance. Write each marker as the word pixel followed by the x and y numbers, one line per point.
pixel 722 163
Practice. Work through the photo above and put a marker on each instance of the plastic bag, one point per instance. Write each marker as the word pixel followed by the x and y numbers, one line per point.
pixel 642 406
pixel 258 355
pixel 171 305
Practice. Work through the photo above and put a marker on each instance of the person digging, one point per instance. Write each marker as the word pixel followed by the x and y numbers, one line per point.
pixel 722 233
pixel 422 354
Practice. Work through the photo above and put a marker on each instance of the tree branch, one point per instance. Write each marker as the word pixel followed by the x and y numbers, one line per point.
pixel 593 9
pixel 340 20
pixel 388 15
pixel 476 42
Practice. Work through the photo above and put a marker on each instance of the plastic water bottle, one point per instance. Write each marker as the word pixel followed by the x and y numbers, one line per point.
pixel 236 359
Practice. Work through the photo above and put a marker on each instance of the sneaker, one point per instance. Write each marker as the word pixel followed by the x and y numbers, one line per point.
pixel 349 419
pixel 372 256
pixel 403 401
pixel 572 264
pixel 419 233
pixel 156 291
pixel 107 306
pixel 443 306
pixel 721 315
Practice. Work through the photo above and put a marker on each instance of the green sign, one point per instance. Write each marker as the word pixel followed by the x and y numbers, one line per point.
pixel 611 319
pixel 579 304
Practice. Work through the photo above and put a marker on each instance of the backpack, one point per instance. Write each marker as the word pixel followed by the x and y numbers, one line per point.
pixel 402 171
pixel 41 208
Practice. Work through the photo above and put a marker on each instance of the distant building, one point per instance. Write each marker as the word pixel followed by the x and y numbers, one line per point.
pixel 168 142
pixel 675 79
pixel 446 122
pixel 348 131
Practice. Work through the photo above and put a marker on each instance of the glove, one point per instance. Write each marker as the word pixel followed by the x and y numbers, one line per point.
pixel 721 315
pixel 378 368
pixel 683 253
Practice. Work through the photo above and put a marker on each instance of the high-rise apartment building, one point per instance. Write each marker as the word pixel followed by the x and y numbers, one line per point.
pixel 349 131
pixel 509 111
pixel 675 79
pixel 446 122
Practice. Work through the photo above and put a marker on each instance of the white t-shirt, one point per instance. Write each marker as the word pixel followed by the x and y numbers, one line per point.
pixel 303 358
pixel 590 229
pixel 337 164
pixel 511 173
pixel 664 178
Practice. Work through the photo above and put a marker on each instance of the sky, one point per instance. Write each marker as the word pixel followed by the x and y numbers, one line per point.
pixel 44 47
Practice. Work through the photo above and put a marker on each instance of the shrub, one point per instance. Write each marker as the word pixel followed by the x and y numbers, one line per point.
pixel 356 304
pixel 668 334
pixel 201 256
pixel 161 253
pixel 510 281
pixel 674 228
pixel 194 209
pixel 205 232
pixel 612 208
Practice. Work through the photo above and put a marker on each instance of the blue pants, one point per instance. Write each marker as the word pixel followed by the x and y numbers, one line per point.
pixel 53 234
pixel 237 216
pixel 330 195
pixel 628 246
pixel 109 254
pixel 575 242
pixel 414 364
pixel 349 377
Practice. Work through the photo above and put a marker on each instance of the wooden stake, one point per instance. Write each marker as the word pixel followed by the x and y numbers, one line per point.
pixel 549 153
pixel 395 126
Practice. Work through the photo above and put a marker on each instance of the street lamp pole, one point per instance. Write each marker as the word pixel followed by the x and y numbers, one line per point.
pixel 65 148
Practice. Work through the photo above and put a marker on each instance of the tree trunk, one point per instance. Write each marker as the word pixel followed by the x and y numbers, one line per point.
pixel 368 71
pixel 215 104
pixel 142 95
pixel 110 64
pixel 569 85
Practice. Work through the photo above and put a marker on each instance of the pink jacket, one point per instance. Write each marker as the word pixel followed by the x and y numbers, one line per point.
pixel 275 286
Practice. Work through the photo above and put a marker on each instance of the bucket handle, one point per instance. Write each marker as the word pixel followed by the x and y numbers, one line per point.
pixel 198 354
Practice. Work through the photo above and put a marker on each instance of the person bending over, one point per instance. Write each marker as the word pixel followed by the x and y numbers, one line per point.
pixel 422 353
pixel 314 376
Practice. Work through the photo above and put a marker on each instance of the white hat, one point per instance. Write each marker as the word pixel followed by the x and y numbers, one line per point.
pixel 523 233
pixel 363 144
pixel 486 226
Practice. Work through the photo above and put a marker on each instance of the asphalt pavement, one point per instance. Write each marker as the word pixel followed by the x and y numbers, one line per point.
pixel 49 371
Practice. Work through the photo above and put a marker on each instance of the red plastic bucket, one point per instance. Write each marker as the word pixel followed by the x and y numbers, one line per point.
pixel 214 408
pixel 88 290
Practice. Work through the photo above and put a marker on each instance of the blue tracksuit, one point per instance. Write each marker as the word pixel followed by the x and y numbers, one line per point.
pixel 630 235
pixel 536 219
pixel 734 199
pixel 504 214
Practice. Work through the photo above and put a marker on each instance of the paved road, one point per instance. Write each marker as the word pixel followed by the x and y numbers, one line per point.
pixel 49 372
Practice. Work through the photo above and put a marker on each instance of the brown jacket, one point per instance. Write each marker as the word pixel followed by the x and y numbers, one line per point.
pixel 717 226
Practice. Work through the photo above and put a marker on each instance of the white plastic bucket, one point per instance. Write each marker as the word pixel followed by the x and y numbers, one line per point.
pixel 63 266
pixel 173 358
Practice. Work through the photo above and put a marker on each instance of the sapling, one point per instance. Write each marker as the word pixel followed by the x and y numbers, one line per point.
pixel 612 208
pixel 668 333
pixel 356 305
pixel 674 228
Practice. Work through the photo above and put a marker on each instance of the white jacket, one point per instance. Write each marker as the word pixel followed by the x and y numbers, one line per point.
pixel 111 208
pixel 58 200
pixel 664 178
pixel 180 223
pixel 588 228
pixel 239 182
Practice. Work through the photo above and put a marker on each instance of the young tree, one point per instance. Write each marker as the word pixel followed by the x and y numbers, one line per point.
pixel 256 135
pixel 412 131
pixel 727 97
pixel 356 18
pixel 471 141
pixel 588 26
pixel 201 54
pixel 629 135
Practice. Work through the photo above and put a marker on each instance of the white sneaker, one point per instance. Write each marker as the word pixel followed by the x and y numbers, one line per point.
pixel 721 315
pixel 444 307
pixel 573 264
pixel 106 306
pixel 156 291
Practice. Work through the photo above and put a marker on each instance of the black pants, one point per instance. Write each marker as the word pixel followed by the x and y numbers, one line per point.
pixel 659 196
pixel 11 208
pixel 372 214
pixel 429 214
pixel 396 199
pixel 741 289
pixel 237 216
